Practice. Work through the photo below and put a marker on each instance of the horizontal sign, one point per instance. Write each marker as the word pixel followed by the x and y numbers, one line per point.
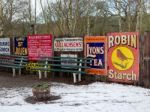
pixel 68 59
pixel 95 48
pixel 5 46
pixel 68 44
pixel 39 46
pixel 123 57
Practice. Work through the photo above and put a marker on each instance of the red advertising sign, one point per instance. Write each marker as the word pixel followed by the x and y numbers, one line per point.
pixel 39 46
pixel 95 48
pixel 123 57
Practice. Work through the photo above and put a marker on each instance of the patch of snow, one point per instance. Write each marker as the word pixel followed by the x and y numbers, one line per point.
pixel 96 97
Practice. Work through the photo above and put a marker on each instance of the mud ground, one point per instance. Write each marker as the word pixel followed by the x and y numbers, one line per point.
pixel 30 79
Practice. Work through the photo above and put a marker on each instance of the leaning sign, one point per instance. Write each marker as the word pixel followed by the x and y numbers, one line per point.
pixel 123 57
pixel 39 46
pixel 95 48
pixel 5 46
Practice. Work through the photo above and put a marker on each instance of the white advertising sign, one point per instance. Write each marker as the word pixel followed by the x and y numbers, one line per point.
pixel 68 59
pixel 5 46
pixel 68 44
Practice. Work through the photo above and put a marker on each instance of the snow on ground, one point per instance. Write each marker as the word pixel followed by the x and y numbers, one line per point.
pixel 96 97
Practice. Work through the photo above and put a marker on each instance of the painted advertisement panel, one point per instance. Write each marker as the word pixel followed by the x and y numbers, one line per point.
pixel 95 48
pixel 21 46
pixel 68 44
pixel 123 57
pixel 39 46
pixel 5 46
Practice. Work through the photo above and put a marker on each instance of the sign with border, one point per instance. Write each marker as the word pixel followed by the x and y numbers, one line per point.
pixel 39 46
pixel 5 46
pixel 95 47
pixel 21 46
pixel 123 57
pixel 74 44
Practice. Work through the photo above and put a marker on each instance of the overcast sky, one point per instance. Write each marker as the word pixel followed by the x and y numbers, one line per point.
pixel 38 5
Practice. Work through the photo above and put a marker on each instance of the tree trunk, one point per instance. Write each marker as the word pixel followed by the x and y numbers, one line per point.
pixel 139 15
pixel 88 19
pixel 1 16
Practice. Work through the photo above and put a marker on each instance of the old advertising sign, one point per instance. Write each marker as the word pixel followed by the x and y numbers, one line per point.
pixel 68 59
pixel 95 48
pixel 5 46
pixel 21 46
pixel 68 44
pixel 123 57
pixel 39 46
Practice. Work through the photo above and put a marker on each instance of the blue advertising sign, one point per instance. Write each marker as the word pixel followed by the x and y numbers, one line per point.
pixel 97 52
pixel 95 48
pixel 21 46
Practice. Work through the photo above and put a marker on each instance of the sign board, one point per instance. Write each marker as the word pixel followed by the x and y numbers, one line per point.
pixel 68 59
pixel 5 46
pixel 68 44
pixel 123 57
pixel 95 48
pixel 39 46
pixel 21 46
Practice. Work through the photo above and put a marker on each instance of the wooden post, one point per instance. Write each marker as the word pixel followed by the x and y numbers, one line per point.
pixel 20 65
pixel 20 71
pixel 45 73
pixel 14 72
pixel 40 74
pixel 79 75
pixel 74 77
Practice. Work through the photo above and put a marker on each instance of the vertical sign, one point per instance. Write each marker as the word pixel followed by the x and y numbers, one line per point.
pixel 95 48
pixel 21 46
pixel 5 46
pixel 123 57
pixel 39 46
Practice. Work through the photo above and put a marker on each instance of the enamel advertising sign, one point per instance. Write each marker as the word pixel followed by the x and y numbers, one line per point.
pixel 95 48
pixel 123 57
pixel 68 44
pixel 21 46
pixel 39 46
pixel 5 46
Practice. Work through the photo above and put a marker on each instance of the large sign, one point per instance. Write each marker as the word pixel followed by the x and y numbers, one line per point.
pixel 123 57
pixel 68 44
pixel 39 46
pixel 21 46
pixel 5 46
pixel 95 48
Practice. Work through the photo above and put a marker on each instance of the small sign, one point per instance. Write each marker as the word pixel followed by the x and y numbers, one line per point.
pixel 68 60
pixel 5 46
pixel 68 44
pixel 21 46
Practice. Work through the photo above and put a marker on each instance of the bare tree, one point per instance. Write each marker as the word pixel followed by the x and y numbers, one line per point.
pixel 139 15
